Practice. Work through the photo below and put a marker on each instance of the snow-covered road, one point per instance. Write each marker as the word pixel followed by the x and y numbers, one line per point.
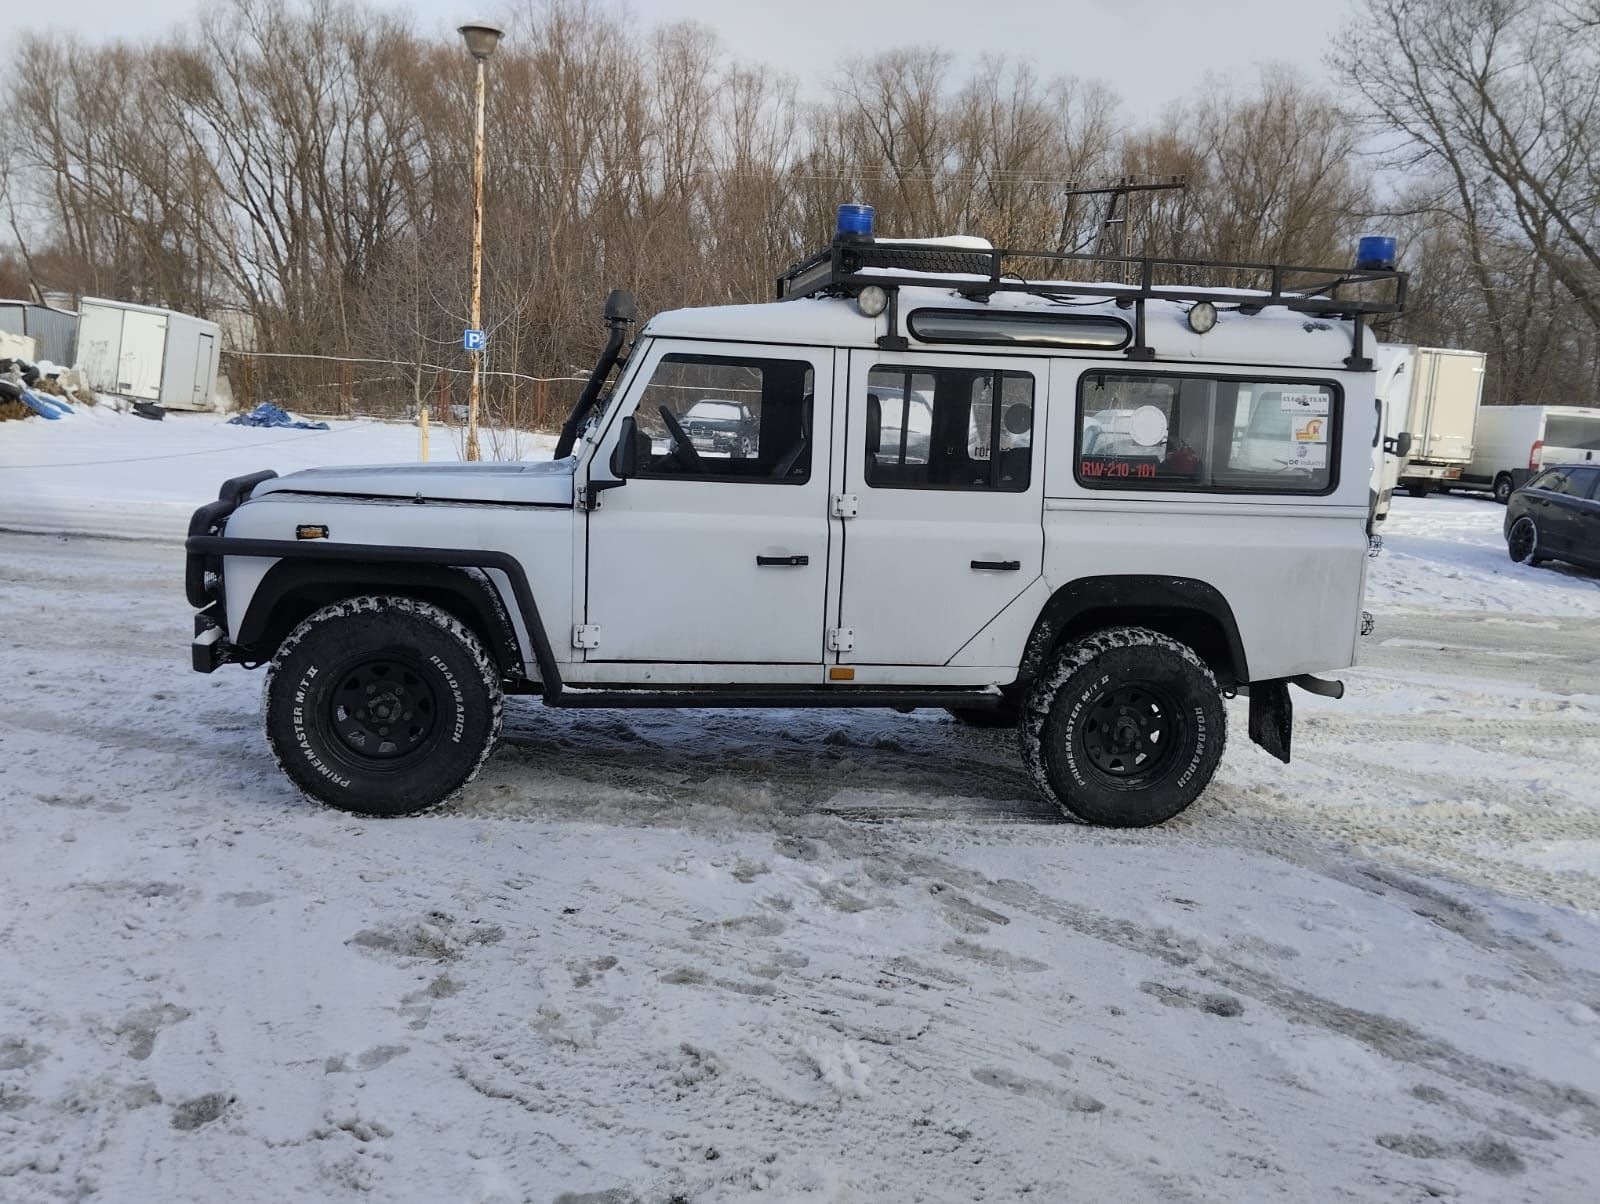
pixel 799 956
pixel 790 956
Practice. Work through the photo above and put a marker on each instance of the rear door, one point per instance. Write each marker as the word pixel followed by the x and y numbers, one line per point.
pixel 1556 502
pixel 1571 438
pixel 144 347
pixel 942 471
pixel 1583 533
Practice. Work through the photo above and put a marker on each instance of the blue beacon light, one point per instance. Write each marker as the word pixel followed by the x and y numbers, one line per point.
pixel 855 220
pixel 1375 252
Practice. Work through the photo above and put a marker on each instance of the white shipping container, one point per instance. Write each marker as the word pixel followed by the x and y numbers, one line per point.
pixel 148 354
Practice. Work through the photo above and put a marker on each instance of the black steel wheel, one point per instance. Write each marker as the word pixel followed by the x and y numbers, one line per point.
pixel 1124 728
pixel 1503 489
pixel 382 705
pixel 1522 541
pixel 1129 731
pixel 384 708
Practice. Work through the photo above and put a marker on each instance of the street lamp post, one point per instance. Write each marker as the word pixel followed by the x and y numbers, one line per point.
pixel 481 38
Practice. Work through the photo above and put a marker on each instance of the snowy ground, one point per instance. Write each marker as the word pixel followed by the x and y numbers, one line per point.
pixel 793 956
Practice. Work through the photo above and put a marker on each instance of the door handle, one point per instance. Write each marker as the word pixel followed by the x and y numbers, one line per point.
pixel 783 561
pixel 998 566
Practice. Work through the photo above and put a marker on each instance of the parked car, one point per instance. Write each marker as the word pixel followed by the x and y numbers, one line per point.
pixel 723 426
pixel 1556 516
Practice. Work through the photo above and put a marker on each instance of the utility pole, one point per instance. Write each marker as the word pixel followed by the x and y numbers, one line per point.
pixel 481 38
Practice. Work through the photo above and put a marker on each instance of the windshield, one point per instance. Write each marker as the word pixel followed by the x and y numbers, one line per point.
pixel 724 411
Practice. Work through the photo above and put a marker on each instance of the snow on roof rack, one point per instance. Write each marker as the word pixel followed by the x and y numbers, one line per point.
pixel 977 270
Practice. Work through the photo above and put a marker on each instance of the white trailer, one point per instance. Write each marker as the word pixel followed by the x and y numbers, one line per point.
pixel 1441 413
pixel 1514 442
pixel 148 354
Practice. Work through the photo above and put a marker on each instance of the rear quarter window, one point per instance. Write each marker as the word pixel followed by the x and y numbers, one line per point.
pixel 1206 433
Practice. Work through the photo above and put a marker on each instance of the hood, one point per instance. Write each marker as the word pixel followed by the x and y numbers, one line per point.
pixel 540 483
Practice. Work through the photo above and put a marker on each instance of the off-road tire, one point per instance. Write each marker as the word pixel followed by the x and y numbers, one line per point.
pixel 1504 487
pixel 1180 699
pixel 1522 542
pixel 423 665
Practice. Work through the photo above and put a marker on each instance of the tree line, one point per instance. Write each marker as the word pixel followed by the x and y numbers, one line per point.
pixel 310 165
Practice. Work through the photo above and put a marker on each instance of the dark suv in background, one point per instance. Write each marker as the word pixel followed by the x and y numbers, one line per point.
pixel 1556 516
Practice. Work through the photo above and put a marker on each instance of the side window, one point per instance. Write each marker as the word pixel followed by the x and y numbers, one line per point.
pixel 726 418
pixel 1556 480
pixel 949 428
pixel 1219 434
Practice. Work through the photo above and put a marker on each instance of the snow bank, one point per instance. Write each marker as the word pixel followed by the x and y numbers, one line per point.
pixel 115 474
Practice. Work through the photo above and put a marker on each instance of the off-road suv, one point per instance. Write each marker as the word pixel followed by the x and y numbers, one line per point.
pixel 1085 529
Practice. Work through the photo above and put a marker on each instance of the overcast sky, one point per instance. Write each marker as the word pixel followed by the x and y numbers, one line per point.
pixel 1150 51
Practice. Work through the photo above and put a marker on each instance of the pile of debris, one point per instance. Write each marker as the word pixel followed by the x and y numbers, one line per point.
pixel 45 389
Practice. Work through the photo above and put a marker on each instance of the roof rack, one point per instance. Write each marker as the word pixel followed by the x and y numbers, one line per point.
pixel 851 263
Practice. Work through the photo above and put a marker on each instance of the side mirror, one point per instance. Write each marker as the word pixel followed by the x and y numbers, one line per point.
pixel 1399 445
pixel 625 456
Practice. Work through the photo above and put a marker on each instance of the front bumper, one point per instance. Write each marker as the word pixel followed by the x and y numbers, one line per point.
pixel 202 574
pixel 1431 472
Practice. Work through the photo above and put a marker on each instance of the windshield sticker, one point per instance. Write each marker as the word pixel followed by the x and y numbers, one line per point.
pixel 1311 430
pixel 1314 402
pixel 1307 455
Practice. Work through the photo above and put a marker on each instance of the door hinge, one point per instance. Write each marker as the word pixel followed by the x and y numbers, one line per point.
pixel 841 639
pixel 586 635
pixel 846 505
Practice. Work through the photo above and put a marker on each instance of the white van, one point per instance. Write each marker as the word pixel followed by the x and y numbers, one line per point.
pixel 1515 442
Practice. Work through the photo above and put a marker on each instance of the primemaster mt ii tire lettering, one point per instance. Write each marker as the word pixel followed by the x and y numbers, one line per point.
pixel 1124 728
pixel 382 705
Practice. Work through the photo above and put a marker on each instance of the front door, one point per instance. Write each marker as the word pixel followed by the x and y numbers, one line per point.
pixel 716 549
pixel 944 460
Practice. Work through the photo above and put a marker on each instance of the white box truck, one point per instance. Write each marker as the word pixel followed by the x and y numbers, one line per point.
pixel 1441 413
pixel 1514 442
pixel 148 354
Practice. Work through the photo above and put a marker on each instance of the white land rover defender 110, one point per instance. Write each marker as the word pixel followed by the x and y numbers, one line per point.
pixel 938 476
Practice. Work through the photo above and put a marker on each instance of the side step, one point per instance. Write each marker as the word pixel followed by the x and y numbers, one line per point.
pixel 747 697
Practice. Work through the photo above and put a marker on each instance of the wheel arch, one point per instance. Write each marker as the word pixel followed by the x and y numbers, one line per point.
pixel 292 590
pixel 1190 611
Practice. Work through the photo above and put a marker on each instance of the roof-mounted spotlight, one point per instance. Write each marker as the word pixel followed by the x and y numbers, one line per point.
pixel 1202 316
pixel 872 300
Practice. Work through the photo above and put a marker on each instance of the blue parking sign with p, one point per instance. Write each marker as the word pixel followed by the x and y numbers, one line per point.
pixel 473 340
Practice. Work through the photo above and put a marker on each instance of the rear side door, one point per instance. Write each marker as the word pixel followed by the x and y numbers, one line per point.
pixel 1584 529
pixel 1554 501
pixel 944 472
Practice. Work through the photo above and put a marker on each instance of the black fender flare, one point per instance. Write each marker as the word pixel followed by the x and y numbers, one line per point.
pixel 457 574
pixel 1181 607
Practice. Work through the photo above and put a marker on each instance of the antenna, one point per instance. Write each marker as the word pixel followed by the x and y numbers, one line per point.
pixel 1117 209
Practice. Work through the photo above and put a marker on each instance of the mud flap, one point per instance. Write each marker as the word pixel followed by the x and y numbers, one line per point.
pixel 1272 717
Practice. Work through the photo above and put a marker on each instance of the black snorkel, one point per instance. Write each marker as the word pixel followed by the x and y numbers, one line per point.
pixel 621 312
